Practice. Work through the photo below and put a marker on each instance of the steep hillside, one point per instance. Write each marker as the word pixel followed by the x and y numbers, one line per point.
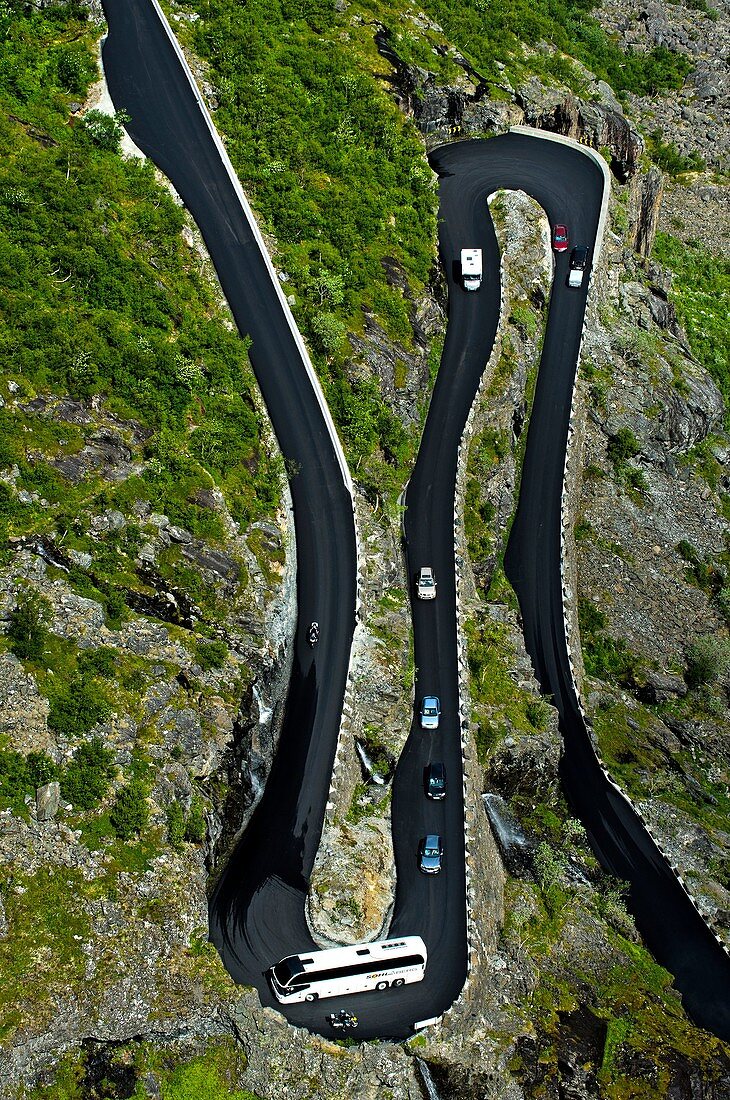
pixel 146 574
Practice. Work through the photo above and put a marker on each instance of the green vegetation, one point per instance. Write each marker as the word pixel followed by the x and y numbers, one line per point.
pixel 701 295
pixel 44 950
pixel 622 446
pixel 707 660
pixel 337 174
pixel 213 1073
pixel 76 706
pixel 190 826
pixel 198 1080
pixel 552 922
pixel 605 657
pixel 175 816
pixel 88 776
pixel 211 654
pixel 130 813
pixel 100 296
pixel 27 628
pixel 195 823
pixel 666 155
pixel 500 706
pixel 365 803
pixel 709 574
pixel 20 776
pixel 496 31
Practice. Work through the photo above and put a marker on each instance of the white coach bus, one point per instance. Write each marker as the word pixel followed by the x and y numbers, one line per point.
pixel 356 969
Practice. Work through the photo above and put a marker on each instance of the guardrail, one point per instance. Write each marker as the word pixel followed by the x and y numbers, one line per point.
pixel 566 521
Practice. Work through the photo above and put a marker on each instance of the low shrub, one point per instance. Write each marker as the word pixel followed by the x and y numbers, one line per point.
pixel 87 777
pixel 175 825
pixel 76 707
pixel 196 825
pixel 622 446
pixel 99 662
pixel 22 775
pixel 130 812
pixel 211 654
pixel 707 660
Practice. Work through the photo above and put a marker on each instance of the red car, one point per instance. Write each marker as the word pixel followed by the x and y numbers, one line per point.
pixel 560 238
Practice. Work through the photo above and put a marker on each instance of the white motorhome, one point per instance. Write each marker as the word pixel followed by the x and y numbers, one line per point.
pixel 578 264
pixel 471 268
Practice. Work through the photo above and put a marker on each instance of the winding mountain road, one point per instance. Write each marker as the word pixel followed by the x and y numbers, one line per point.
pixel 257 912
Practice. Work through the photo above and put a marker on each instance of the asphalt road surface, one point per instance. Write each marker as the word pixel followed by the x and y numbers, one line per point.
pixel 257 910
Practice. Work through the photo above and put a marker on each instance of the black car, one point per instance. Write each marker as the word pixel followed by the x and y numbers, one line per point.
pixel 436 780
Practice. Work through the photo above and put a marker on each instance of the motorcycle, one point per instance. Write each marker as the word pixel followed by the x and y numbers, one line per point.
pixel 342 1020
pixel 313 635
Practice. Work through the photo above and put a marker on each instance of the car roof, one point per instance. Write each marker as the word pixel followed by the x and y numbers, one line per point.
pixel 430 700
pixel 433 840
pixel 436 767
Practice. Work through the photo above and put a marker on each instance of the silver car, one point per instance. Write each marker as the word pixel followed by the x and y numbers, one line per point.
pixel 430 712
pixel 426 583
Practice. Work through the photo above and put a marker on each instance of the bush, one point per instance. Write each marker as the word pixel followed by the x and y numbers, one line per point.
pixel 667 156
pixel 622 446
pixel 104 130
pixel 22 775
pixel 211 654
pixel 196 826
pixel 130 812
pixel 537 713
pixel 175 825
pixel 329 332
pixel 605 657
pixel 87 777
pixel 76 707
pixel 707 660
pixel 99 662
pixel 75 68
pixel 699 292
pixel 27 630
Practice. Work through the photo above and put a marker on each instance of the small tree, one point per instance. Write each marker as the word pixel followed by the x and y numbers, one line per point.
pixel 623 446
pixel 87 777
pixel 211 654
pixel 27 630
pixel 105 130
pixel 130 813
pixel 329 332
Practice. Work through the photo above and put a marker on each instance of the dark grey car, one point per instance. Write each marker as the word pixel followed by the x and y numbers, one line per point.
pixel 436 780
pixel 431 854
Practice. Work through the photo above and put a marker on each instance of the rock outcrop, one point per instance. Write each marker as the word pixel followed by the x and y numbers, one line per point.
pixel 646 216
pixel 466 109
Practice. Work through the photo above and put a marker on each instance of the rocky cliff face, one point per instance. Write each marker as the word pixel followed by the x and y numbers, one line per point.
pixel 696 119
pixel 553 951
pixel 466 109
pixel 651 521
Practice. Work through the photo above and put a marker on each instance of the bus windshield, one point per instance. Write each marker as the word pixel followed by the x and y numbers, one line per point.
pixel 288 969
